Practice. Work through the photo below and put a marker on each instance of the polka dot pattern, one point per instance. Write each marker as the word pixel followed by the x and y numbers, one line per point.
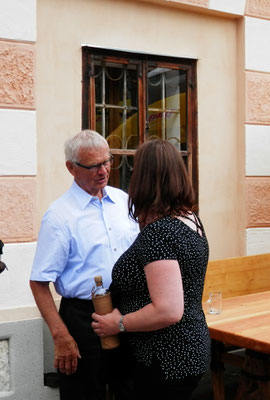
pixel 183 349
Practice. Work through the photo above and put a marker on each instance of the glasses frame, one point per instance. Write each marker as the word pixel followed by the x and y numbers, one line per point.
pixel 96 167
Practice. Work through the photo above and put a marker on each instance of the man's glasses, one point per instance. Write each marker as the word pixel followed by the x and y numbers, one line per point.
pixel 96 167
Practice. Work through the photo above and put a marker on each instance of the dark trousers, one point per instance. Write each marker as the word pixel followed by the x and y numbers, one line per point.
pixel 97 367
pixel 151 384
pixel 87 382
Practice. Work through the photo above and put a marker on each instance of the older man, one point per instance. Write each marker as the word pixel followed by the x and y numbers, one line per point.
pixel 82 234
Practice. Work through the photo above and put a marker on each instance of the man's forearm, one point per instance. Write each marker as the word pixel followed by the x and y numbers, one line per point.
pixel 47 307
pixel 66 351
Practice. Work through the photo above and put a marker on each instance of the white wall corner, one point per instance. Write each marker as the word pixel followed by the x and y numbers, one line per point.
pixel 257 150
pixel 18 150
pixel 228 6
pixel 257 241
pixel 18 20
pixel 14 282
pixel 257 44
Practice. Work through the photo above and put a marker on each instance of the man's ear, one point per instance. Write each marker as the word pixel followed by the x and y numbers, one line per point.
pixel 71 167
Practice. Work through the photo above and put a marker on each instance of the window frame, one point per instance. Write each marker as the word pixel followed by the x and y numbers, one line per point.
pixel 89 54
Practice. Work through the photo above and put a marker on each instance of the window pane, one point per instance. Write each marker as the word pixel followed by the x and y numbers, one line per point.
pixel 173 127
pixel 132 136
pixel 116 90
pixel 132 86
pixel 155 125
pixel 114 83
pixel 132 100
pixel 98 82
pixel 167 105
pixel 121 171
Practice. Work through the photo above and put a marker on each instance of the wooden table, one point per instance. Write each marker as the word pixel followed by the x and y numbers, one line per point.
pixel 245 323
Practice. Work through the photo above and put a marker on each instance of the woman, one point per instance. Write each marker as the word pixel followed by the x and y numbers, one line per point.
pixel 159 280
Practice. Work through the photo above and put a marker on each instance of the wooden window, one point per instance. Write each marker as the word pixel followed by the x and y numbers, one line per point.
pixel 129 98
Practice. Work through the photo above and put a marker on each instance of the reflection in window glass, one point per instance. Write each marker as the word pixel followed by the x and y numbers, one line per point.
pixel 129 98
pixel 121 171
pixel 167 105
pixel 116 90
pixel 132 86
pixel 114 83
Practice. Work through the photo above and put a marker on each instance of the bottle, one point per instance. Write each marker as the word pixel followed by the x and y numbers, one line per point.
pixel 102 301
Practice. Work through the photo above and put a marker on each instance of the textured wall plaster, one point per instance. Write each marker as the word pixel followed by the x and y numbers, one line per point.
pixel 257 98
pixel 18 20
pixel 18 209
pixel 18 151
pixel 17 75
pixel 257 44
pixel 258 202
pixel 257 150
pixel 259 8
pixel 257 240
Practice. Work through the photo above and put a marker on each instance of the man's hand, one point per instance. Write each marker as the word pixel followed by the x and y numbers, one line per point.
pixel 66 354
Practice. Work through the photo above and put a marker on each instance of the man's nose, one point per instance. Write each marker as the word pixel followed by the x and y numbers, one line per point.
pixel 102 169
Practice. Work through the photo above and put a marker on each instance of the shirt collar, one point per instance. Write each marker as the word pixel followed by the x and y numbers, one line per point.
pixel 85 198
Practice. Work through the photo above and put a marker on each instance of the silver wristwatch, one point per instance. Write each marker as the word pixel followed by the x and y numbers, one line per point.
pixel 121 325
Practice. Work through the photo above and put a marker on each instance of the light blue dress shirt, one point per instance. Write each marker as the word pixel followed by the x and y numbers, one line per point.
pixel 80 237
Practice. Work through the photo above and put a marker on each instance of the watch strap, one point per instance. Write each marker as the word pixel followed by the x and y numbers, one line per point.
pixel 121 325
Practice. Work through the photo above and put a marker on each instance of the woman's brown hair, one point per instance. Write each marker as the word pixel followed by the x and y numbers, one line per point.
pixel 159 185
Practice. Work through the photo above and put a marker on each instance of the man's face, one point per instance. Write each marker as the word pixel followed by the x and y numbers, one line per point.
pixel 92 181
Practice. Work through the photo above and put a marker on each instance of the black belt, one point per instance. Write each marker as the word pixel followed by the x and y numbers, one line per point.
pixel 76 300
pixel 76 303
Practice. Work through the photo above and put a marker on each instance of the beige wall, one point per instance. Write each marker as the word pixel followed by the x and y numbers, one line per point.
pixel 215 41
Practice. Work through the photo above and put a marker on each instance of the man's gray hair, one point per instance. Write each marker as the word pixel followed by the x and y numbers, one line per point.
pixel 85 139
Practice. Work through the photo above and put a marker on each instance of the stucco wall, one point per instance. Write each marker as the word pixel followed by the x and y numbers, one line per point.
pixel 40 106
pixel 155 29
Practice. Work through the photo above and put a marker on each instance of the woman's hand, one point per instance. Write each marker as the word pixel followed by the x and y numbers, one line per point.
pixel 106 325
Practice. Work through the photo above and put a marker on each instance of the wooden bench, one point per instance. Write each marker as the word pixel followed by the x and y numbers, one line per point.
pixel 238 276
pixel 234 277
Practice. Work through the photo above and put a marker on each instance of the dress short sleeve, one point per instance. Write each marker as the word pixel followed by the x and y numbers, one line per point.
pixel 156 244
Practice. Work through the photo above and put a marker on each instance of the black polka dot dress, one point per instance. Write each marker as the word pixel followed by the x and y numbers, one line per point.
pixel 182 349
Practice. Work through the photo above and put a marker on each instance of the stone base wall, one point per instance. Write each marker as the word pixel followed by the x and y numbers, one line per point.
pixel 22 360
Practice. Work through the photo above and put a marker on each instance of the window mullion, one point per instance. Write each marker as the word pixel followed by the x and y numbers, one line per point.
pixel 92 96
pixel 142 106
pixel 103 101
pixel 124 126
pixel 163 121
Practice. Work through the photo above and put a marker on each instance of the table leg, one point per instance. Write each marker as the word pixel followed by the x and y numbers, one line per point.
pixel 217 368
pixel 255 379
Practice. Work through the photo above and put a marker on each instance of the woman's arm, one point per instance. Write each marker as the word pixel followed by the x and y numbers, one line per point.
pixel 166 291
